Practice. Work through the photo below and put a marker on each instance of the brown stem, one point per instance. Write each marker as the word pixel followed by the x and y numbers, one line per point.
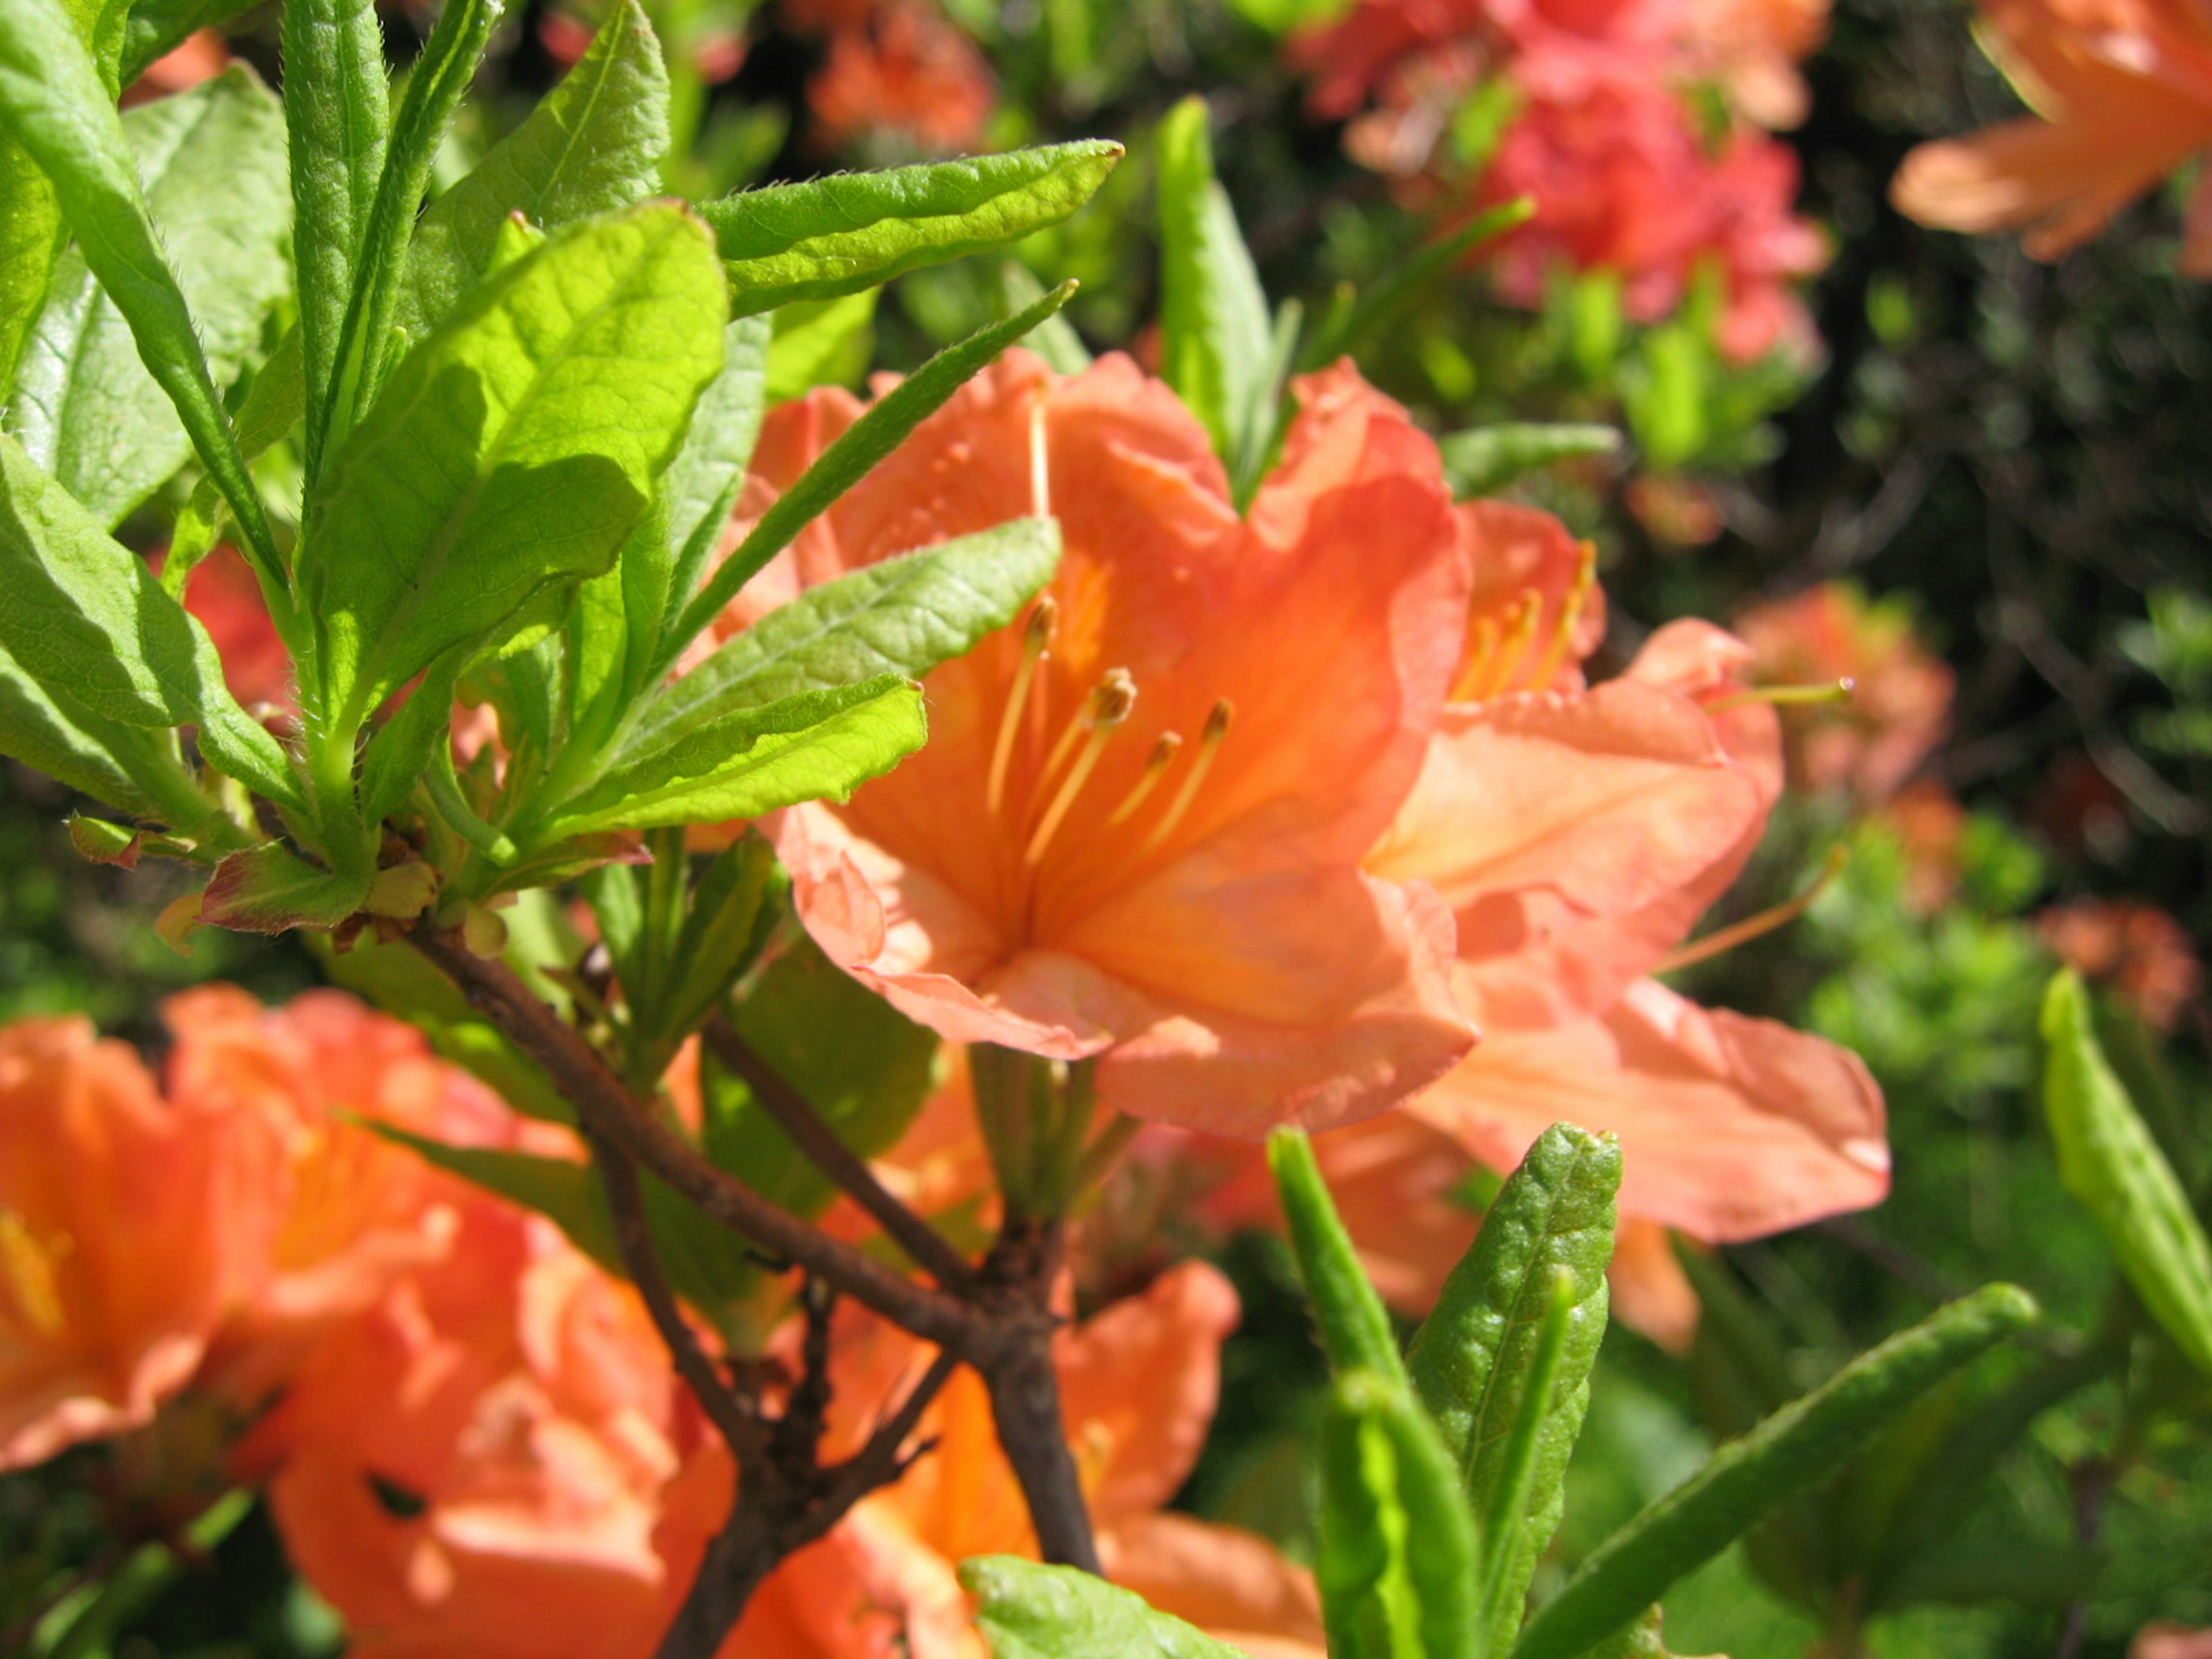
pixel 609 1111
pixel 798 1119
pixel 1024 1385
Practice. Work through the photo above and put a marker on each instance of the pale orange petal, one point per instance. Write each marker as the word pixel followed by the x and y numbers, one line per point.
pixel 1651 1294
pixel 1234 1585
pixel 1730 1128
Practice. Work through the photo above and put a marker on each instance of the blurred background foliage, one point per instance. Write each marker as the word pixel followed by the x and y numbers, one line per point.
pixel 2008 461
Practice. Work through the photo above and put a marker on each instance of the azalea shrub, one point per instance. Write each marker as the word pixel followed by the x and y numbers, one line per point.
pixel 890 827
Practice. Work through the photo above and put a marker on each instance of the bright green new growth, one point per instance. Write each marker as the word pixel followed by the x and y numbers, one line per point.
pixel 54 104
pixel 1545 1244
pixel 1354 1326
pixel 1217 348
pixel 831 236
pixel 2109 1161
pixel 1484 459
pixel 211 162
pixel 1797 1447
pixel 512 451
pixel 1397 1558
pixel 1029 1612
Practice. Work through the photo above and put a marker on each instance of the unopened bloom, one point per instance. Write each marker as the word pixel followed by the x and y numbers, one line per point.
pixel 1137 830
pixel 2122 91
pixel 115 1261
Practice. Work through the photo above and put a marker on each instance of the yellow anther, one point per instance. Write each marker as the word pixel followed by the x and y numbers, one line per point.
pixel 1165 750
pixel 1570 612
pixel 1107 706
pixel 1209 744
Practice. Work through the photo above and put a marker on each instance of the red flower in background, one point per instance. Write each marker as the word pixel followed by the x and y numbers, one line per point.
pixel 2139 951
pixel 1603 136
pixel 895 66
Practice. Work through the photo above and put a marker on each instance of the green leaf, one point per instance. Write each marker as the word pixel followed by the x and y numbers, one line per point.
pixel 132 767
pixel 2109 1160
pixel 702 482
pixel 1029 1612
pixel 1396 1556
pixel 813 746
pixel 881 428
pixel 592 145
pixel 837 235
pixel 899 617
pixel 90 624
pixel 1798 1446
pixel 269 890
pixel 1054 340
pixel 1362 321
pixel 821 342
pixel 158 28
pixel 212 163
pixel 510 452
pixel 1355 1333
pixel 366 339
pixel 337 115
pixel 1217 347
pixel 863 1066
pixel 53 103
pixel 564 1191
pixel 1473 1360
pixel 274 406
pixel 1484 460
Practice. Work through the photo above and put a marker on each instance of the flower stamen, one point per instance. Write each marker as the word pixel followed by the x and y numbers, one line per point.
pixel 1839 691
pixel 1570 612
pixel 1036 644
pixel 1209 744
pixel 1751 927
pixel 1165 750
pixel 1104 711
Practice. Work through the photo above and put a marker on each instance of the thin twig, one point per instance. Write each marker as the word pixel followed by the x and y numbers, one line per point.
pixel 610 1110
pixel 795 1116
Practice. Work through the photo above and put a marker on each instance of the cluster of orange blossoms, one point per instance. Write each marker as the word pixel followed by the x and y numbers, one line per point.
pixel 1605 133
pixel 2122 96
pixel 1262 814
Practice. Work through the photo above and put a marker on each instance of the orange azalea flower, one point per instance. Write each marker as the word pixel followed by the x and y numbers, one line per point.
pixel 474 1468
pixel 223 592
pixel 2122 94
pixel 1136 831
pixel 1900 695
pixel 341 1211
pixel 115 1262
pixel 1139 1383
pixel 1578 833
pixel 895 66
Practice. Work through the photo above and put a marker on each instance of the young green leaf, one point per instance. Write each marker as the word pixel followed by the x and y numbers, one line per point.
pixel 1217 345
pixel 592 145
pixel 53 103
pixel 269 890
pixel 1355 1327
pixel 1054 340
pixel 830 236
pixel 337 115
pixel 1799 1445
pixel 1362 321
pixel 274 406
pixel 1473 1360
pixel 901 617
pixel 1396 1556
pixel 815 745
pixel 1029 1612
pixel 366 339
pixel 90 624
pixel 701 484
pixel 512 452
pixel 880 430
pixel 134 768
pixel 1484 460
pixel 863 1066
pixel 212 163
pixel 2109 1160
